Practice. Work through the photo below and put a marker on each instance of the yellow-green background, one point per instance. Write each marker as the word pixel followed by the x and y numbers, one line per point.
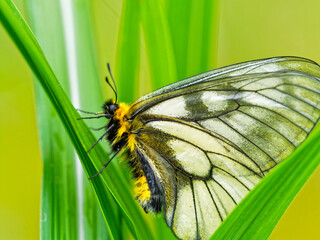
pixel 247 30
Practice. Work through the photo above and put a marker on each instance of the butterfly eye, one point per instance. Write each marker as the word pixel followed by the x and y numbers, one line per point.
pixel 112 108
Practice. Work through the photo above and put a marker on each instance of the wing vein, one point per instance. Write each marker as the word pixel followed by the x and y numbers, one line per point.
pixel 175 202
pixel 234 201
pixel 214 202
pixel 168 161
pixel 195 208
pixel 293 96
pixel 238 180
pixel 205 118
pixel 243 165
pixel 202 129
pixel 268 109
pixel 294 110
pixel 248 140
pixel 241 151
pixel 267 126
pixel 298 86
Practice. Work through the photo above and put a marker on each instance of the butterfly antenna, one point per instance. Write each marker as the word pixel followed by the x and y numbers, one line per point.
pixel 114 83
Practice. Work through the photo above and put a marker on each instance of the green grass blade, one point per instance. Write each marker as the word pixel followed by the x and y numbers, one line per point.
pixel 199 39
pixel 193 27
pixel 90 93
pixel 178 13
pixel 158 44
pixel 79 133
pixel 59 208
pixel 128 51
pixel 256 216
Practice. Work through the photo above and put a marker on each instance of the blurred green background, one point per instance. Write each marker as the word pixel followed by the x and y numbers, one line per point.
pixel 245 31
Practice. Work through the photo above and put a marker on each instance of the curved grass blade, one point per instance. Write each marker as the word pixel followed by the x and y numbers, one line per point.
pixel 79 133
pixel 199 39
pixel 158 44
pixel 59 205
pixel 90 90
pixel 128 51
pixel 178 15
pixel 194 31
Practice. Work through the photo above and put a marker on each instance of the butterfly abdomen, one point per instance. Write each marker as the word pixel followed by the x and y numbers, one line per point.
pixel 155 201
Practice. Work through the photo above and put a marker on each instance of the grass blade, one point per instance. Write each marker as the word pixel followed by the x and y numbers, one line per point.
pixel 59 208
pixel 90 94
pixel 194 30
pixel 199 39
pixel 158 44
pixel 128 51
pixel 178 13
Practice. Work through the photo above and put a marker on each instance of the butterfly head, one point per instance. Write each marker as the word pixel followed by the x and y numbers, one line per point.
pixel 110 107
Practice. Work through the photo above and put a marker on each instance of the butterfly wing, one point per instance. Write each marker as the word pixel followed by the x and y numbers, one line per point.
pixel 209 142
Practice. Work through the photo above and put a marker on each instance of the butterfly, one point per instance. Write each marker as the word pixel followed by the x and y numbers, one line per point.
pixel 198 146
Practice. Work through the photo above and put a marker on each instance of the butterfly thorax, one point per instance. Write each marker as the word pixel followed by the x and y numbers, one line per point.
pixel 121 136
pixel 119 124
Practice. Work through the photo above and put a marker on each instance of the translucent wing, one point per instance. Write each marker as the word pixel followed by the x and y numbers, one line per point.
pixel 210 141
